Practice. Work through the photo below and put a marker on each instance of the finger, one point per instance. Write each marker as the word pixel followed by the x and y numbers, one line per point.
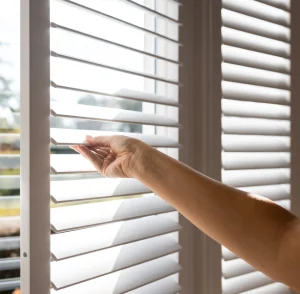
pixel 74 147
pixel 91 156
pixel 103 141
pixel 99 151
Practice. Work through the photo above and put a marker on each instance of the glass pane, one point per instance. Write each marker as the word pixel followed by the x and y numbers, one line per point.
pixel 9 143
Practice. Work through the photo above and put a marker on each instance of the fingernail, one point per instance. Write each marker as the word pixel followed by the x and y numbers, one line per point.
pixel 88 136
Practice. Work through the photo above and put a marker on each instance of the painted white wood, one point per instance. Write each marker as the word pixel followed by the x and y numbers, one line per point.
pixel 255 126
pixel 253 76
pixel 109 114
pixel 256 177
pixel 78 269
pixel 127 279
pixel 249 41
pixel 76 137
pixel 66 245
pixel 77 216
pixel 259 10
pixel 255 109
pixel 254 25
pixel 83 189
pixel 252 160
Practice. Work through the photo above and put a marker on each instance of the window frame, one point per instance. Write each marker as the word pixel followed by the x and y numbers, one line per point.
pixel 35 143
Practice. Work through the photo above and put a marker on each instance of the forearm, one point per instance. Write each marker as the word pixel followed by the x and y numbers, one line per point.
pixel 251 226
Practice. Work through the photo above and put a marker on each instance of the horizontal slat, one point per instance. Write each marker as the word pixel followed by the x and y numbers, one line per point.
pixel 79 269
pixel 70 163
pixel 62 218
pixel 110 114
pixel 151 11
pixel 9 284
pixel 70 30
pixel 236 267
pixel 256 177
pixel 79 242
pixel 9 263
pixel 259 10
pixel 253 76
pixel 9 243
pixel 240 91
pixel 286 204
pixel 256 26
pixel 164 286
pixel 273 192
pixel 118 282
pixel 282 4
pixel 9 182
pixel 240 143
pixel 245 282
pixel 253 42
pixel 140 74
pixel 248 160
pixel 75 190
pixel 254 109
pixel 255 126
pixel 227 254
pixel 254 59
pixel 9 161
pixel 125 94
pixel 76 137
pixel 115 19
pixel 275 288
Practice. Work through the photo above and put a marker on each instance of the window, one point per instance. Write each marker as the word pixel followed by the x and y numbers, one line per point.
pixel 114 71
pixel 9 147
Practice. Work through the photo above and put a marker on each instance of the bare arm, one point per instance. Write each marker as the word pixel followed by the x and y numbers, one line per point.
pixel 261 232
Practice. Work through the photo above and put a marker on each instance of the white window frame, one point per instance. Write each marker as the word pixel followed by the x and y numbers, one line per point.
pixel 35 146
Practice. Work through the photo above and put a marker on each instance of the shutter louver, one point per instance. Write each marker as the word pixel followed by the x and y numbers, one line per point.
pixel 112 236
pixel 255 117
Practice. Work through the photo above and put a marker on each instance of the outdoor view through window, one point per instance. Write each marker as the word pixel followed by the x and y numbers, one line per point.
pixel 9 145
pixel 79 76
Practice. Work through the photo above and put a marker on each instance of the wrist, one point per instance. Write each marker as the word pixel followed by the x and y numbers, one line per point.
pixel 144 161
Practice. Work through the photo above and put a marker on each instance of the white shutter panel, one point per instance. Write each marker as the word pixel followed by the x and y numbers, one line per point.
pixel 112 235
pixel 255 117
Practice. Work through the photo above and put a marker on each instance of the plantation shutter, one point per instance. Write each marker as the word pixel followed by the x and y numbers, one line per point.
pixel 122 58
pixel 255 117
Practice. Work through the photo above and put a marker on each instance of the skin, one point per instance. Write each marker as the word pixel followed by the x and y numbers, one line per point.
pixel 255 228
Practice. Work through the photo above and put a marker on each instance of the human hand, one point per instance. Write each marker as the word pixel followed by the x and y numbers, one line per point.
pixel 114 156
